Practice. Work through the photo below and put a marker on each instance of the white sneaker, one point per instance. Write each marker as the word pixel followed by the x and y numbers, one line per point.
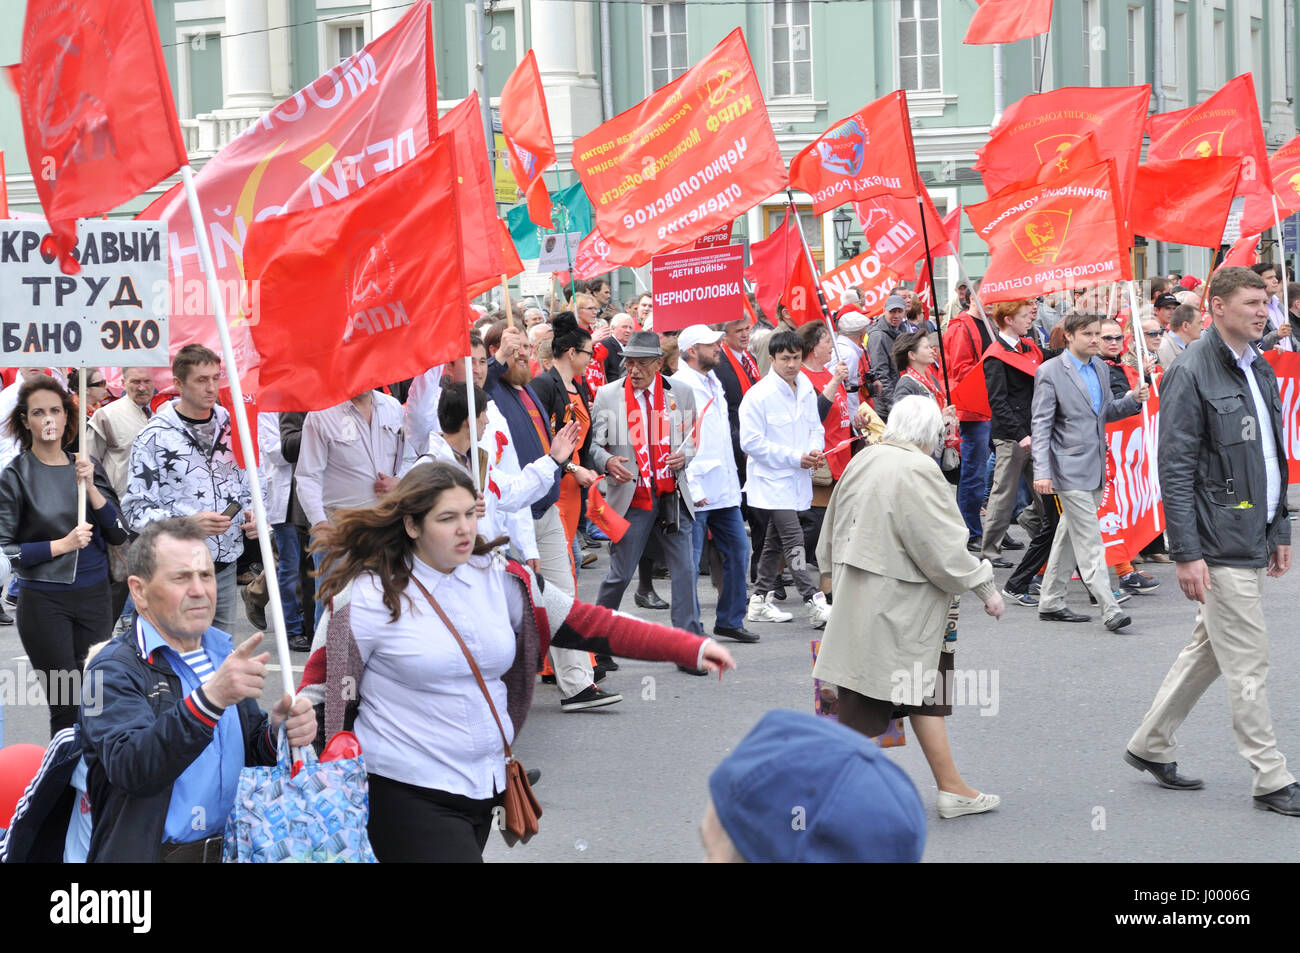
pixel 819 613
pixel 763 610
pixel 954 805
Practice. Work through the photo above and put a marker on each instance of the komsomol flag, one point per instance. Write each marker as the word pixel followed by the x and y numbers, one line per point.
pixel 482 257
pixel 1284 172
pixel 892 227
pixel 1226 124
pixel 771 262
pixel 1048 237
pixel 526 126
pixel 1184 200
pixel 686 160
pixel 1005 21
pixel 1036 129
pixel 98 116
pixel 366 116
pixel 363 291
pixel 867 154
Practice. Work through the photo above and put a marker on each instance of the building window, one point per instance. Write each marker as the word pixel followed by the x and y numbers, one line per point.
pixel 1136 47
pixel 1093 41
pixel 348 39
pixel 918 45
pixel 791 49
pixel 667 43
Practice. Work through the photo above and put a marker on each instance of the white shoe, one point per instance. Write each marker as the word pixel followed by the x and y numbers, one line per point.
pixel 954 805
pixel 819 613
pixel 764 610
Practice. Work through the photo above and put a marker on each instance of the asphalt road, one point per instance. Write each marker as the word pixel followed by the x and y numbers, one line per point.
pixel 1046 732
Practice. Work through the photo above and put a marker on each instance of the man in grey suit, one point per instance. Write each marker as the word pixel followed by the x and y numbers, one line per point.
pixel 1068 439
pixel 647 421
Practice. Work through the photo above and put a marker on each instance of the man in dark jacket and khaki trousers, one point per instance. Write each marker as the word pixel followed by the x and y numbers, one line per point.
pixel 1223 477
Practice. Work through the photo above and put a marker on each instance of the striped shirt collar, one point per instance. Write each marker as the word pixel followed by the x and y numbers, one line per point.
pixel 148 639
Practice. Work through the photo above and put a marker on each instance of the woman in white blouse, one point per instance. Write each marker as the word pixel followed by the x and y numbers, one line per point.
pixel 431 744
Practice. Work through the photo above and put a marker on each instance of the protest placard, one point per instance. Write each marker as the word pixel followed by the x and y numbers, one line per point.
pixel 701 286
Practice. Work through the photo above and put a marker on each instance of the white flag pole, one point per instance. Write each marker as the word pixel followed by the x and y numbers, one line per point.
pixel 473 415
pixel 244 433
pixel 1143 358
pixel 1282 273
pixel 83 451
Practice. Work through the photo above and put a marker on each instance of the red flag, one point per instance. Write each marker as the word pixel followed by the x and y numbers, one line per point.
pixel 366 116
pixel 1184 200
pixel 1284 172
pixel 952 230
pixel 1036 129
pixel 4 188
pixel 526 126
pixel 867 154
pixel 511 263
pixel 771 262
pixel 1005 21
pixel 685 161
pixel 607 521
pixel 1243 253
pixel 363 291
pixel 592 257
pixel 482 257
pixel 98 116
pixel 925 291
pixel 1226 124
pixel 1048 237
pixel 250 409
pixel 800 294
pixel 892 227
pixel 749 310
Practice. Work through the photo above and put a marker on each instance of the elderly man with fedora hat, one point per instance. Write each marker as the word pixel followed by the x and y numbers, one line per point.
pixel 647 419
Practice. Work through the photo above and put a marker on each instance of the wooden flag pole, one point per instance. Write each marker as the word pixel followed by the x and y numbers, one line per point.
pixel 505 301
pixel 244 433
pixel 82 452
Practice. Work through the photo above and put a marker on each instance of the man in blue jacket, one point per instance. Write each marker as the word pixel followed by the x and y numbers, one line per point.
pixel 176 718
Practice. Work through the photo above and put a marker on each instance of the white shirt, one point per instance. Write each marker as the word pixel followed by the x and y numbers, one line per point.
pixel 1264 417
pixel 276 471
pixel 1277 318
pixel 711 475
pixel 423 719
pixel 420 413
pixel 341 455
pixel 778 425
pixel 852 356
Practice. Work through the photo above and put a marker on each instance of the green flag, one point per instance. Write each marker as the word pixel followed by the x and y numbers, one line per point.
pixel 571 212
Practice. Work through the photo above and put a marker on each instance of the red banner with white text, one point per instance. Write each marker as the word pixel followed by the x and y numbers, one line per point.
pixel 1132 489
pixel 1286 365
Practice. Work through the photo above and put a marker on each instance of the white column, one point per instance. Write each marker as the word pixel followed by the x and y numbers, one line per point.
pixel 246 56
pixel 572 95
pixel 383 20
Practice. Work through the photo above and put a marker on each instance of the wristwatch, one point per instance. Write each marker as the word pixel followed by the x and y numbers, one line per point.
pixel 570 467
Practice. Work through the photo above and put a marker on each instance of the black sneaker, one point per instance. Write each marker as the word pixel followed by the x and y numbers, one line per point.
pixel 591 697
pixel 1021 599
pixel 300 643
pixel 1138 583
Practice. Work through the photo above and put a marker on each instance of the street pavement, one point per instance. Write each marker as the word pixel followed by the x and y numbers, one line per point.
pixel 1045 728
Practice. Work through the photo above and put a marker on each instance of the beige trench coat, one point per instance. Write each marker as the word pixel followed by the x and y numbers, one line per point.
pixel 896 545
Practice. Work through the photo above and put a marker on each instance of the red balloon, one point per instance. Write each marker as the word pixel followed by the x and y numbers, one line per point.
pixel 18 765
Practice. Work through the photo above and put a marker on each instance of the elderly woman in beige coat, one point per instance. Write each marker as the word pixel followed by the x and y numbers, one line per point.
pixel 896 546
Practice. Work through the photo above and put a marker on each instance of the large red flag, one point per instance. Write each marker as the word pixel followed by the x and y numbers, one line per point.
pixel 1185 201
pixel 98 116
pixel 952 231
pixel 892 227
pixel 1034 130
pixel 366 116
pixel 482 257
pixel 526 126
pixel 771 262
pixel 686 160
pixel 1045 238
pixel 511 265
pixel 1284 172
pixel 1226 124
pixel 800 294
pixel 363 291
pixel 1005 21
pixel 864 155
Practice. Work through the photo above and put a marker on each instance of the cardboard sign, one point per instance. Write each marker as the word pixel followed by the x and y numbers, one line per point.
pixel 114 313
pixel 558 252
pixel 697 287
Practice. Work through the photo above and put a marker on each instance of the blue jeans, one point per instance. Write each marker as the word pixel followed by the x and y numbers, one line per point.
pixel 974 461
pixel 320 606
pixel 729 534
pixel 286 574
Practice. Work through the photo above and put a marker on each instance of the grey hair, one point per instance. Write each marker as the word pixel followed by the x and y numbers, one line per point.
pixel 622 318
pixel 537 330
pixel 850 296
pixel 142 557
pixel 916 420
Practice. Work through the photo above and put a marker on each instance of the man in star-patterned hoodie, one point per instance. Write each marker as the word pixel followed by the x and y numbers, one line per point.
pixel 183 464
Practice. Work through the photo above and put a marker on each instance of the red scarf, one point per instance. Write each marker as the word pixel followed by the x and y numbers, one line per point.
pixel 745 374
pixel 838 424
pixel 594 377
pixel 651 458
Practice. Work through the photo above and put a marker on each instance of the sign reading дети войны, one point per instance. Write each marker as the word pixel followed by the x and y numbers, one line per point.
pixel 114 312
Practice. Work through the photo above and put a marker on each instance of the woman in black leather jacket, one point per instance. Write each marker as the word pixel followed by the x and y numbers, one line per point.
pixel 64 604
